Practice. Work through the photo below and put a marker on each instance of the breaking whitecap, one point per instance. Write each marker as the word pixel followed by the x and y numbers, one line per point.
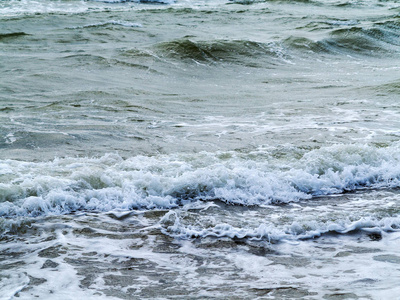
pixel 65 185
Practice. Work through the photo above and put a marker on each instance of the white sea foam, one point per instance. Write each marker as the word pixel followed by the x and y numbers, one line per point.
pixel 110 182
pixel 12 284
pixel 10 138
pixel 29 7
pixel 20 7
pixel 172 225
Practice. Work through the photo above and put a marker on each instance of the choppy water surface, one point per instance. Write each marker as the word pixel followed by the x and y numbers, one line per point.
pixel 199 149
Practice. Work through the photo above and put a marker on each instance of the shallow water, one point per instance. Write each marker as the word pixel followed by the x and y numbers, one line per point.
pixel 199 149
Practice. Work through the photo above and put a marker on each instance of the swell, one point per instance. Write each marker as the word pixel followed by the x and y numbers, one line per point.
pixel 381 38
pixel 388 88
pixel 232 51
pixel 80 60
pixel 11 36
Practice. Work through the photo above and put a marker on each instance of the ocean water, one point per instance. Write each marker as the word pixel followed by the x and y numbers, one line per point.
pixel 200 149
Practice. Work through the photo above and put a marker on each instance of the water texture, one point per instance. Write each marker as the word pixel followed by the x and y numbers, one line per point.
pixel 199 149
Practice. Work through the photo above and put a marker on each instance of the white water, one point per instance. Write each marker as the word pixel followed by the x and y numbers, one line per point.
pixel 199 149
pixel 255 178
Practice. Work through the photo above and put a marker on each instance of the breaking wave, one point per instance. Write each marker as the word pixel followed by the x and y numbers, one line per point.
pixel 111 182
pixel 172 225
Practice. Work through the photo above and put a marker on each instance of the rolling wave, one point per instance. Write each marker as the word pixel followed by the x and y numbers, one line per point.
pixel 349 39
pixel 218 50
pixel 382 37
pixel 173 225
pixel 110 182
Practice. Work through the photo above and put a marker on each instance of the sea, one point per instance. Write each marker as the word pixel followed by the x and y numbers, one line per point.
pixel 200 149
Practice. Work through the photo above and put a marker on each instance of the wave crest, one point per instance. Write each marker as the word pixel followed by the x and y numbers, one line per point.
pixel 173 225
pixel 381 37
pixel 110 182
pixel 235 51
